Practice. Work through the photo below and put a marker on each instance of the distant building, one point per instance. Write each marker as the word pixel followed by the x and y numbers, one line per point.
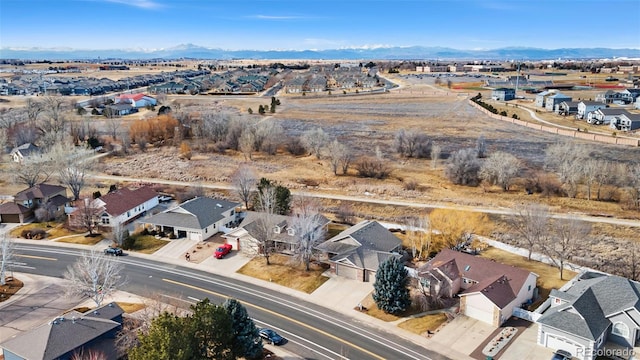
pixel 136 100
pixel 503 94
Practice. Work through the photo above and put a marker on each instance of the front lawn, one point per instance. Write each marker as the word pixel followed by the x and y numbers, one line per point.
pixel 82 240
pixel 11 286
pixel 53 229
pixel 422 324
pixel 146 244
pixel 282 272
pixel 549 276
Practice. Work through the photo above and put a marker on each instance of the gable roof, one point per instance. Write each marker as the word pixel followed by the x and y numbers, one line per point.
pixel 63 334
pixel 367 234
pixel 249 223
pixel 500 283
pixel 39 191
pixel 589 303
pixel 26 149
pixel 13 208
pixel 197 213
pixel 120 201
pixel 134 97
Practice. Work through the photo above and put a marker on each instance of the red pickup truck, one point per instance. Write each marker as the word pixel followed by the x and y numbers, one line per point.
pixel 223 250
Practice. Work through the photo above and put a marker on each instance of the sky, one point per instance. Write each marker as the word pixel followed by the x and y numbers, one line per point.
pixel 319 24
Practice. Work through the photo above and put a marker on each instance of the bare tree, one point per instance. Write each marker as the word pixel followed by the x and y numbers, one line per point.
pixel 244 180
pixel 32 170
pixel 315 140
pixel 500 168
pixel 3 141
pixel 633 187
pixel 336 152
pixel 33 108
pixel 567 159
pixel 86 215
pixel 481 147
pixel 590 173
pixel 95 276
pixel 463 167
pixel 531 223
pixel 603 175
pixel 266 222
pixel 308 226
pixel 436 150
pixel 73 165
pixel 269 135
pixel 118 232
pixel 113 125
pixel 569 234
pixel 419 234
pixel 247 144
pixel 6 256
pixel 53 122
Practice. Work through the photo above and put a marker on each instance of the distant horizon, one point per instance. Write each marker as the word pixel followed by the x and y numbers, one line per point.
pixel 293 25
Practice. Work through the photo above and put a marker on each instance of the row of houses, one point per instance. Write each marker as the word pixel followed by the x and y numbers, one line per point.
pixel 36 84
pixel 233 81
pixel 626 96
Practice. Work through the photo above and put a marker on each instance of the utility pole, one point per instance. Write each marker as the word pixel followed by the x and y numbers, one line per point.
pixel 517 79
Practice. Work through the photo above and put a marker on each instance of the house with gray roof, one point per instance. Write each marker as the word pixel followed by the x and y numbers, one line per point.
pixel 195 219
pixel 489 291
pixel 358 251
pixel 24 151
pixel 552 102
pixel 285 233
pixel 69 335
pixel 594 311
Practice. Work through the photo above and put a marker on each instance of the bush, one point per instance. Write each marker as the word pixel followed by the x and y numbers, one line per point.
pixel 410 185
pixel 369 167
pixel 129 243
pixel 36 234
pixel 463 167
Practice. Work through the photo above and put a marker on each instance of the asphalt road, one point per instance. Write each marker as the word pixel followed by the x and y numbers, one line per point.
pixel 313 332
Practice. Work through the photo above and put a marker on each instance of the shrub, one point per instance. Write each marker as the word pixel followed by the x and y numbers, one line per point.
pixel 369 167
pixel 410 185
pixel 463 167
pixel 36 234
pixel 129 242
pixel 295 146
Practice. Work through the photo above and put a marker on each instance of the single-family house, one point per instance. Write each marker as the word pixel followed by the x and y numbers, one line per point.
pixel 503 94
pixel 626 122
pixel 357 252
pixel 608 97
pixel 568 108
pixel 595 309
pixel 24 151
pixel 53 198
pixel 489 291
pixel 196 219
pixel 541 98
pixel 136 100
pixel 585 107
pixel 124 205
pixel 552 102
pixel 69 336
pixel 629 95
pixel 605 115
pixel 120 109
pixel 284 233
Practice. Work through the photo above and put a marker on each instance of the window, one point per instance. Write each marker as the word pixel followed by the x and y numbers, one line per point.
pixel 105 221
pixel 276 229
pixel 621 329
pixel 529 288
pixel 206 230
pixel 291 231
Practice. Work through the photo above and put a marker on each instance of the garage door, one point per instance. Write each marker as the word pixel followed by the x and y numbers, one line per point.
pixel 10 218
pixel 347 271
pixel 480 314
pixel 561 343
pixel 194 236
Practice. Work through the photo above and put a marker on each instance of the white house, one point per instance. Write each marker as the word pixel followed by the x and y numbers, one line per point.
pixel 196 219
pixel 136 100
pixel 626 122
pixel 605 115
pixel 123 205
pixel 585 107
pixel 20 153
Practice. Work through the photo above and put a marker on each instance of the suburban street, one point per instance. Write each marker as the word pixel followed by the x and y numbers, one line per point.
pixel 312 331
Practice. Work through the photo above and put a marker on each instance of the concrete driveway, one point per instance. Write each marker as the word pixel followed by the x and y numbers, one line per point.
pixel 463 334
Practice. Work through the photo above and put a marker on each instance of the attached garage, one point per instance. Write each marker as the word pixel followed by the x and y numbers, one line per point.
pixel 14 213
pixel 556 342
pixel 480 314
pixel 347 271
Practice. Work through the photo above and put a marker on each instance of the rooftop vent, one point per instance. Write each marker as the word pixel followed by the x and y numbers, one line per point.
pixel 218 205
pixel 466 268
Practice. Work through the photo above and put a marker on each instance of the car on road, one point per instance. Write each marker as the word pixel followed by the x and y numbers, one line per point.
pixel 271 336
pixel 115 251
pixel 222 251
pixel 561 355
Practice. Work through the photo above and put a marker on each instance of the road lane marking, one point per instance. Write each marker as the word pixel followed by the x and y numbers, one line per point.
pixel 37 257
pixel 300 323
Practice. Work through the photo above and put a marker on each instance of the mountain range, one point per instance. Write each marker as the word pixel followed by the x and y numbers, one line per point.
pixel 381 53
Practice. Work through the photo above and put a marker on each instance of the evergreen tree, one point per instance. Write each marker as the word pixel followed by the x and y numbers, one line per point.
pixel 283 196
pixel 165 340
pixel 247 338
pixel 261 110
pixel 390 288
pixel 210 331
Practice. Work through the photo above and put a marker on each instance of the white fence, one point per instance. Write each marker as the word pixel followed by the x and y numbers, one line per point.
pixel 525 314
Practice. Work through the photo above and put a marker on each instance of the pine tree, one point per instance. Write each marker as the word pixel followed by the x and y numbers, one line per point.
pixel 210 330
pixel 247 338
pixel 164 341
pixel 390 288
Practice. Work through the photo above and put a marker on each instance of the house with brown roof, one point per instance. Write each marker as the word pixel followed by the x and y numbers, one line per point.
pixel 14 213
pixel 489 291
pixel 123 205
pixel 68 336
pixel 52 198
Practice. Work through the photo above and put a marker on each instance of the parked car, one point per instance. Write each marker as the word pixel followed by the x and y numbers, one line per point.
pixel 222 251
pixel 561 355
pixel 271 336
pixel 113 251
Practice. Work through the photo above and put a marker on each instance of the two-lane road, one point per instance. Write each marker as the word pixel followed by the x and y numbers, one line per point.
pixel 313 332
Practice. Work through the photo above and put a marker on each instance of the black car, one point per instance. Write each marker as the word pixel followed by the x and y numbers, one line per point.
pixel 271 336
pixel 113 251
pixel 561 355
